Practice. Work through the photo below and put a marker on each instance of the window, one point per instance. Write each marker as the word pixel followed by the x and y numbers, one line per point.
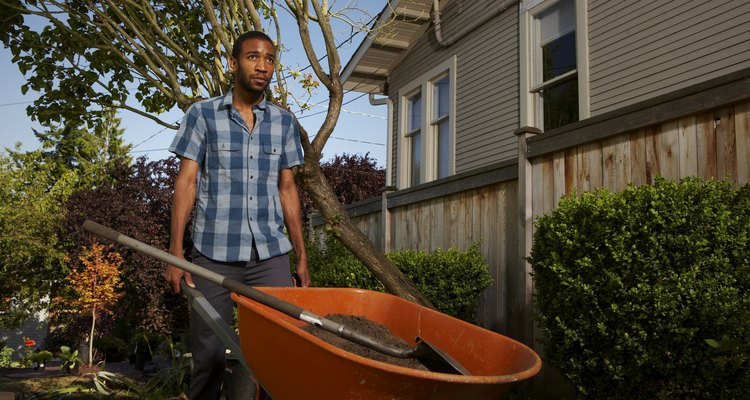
pixel 557 64
pixel 427 124
pixel 414 133
pixel 440 124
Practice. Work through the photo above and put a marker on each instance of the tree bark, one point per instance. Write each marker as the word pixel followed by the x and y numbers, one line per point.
pixel 91 336
pixel 314 183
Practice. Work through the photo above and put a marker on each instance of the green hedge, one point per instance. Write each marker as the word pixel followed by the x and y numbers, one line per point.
pixel 630 287
pixel 452 280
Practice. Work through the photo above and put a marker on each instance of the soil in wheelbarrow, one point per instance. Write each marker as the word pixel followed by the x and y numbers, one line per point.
pixel 370 328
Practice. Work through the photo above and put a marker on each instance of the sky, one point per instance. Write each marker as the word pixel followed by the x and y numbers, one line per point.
pixel 361 128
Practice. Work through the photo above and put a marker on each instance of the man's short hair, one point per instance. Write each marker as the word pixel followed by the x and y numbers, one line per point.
pixel 237 48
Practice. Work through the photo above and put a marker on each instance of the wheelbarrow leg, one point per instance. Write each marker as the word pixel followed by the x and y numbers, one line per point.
pixel 239 388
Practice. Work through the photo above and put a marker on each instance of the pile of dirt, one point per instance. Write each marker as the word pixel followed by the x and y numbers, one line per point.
pixel 370 328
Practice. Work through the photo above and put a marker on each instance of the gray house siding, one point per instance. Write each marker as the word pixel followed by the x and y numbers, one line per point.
pixel 486 83
pixel 643 49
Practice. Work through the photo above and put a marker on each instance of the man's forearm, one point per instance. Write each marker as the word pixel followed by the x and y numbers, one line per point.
pixel 182 206
pixel 292 210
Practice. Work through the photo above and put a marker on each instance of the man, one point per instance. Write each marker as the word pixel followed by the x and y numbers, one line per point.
pixel 236 153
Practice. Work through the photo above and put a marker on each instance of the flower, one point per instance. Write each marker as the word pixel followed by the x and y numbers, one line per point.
pixel 29 343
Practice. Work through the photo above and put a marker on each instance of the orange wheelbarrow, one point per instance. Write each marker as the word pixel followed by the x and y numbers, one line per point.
pixel 293 364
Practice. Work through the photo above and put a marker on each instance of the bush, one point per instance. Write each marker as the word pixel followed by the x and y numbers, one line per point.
pixel 5 355
pixel 41 357
pixel 452 280
pixel 629 286
pixel 112 348
pixel 335 266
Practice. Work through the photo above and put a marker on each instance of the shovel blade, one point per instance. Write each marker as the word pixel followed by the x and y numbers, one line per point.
pixel 437 360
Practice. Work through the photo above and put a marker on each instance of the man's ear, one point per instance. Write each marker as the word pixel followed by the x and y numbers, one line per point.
pixel 232 64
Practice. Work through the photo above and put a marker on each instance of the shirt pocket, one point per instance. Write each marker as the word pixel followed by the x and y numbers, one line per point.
pixel 272 154
pixel 225 153
pixel 272 149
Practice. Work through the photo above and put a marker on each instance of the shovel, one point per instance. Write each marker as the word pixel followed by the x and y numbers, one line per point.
pixel 428 354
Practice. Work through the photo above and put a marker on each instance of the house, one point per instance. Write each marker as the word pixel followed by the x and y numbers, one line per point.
pixel 497 108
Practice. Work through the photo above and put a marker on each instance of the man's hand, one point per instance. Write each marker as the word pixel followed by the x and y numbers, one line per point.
pixel 302 276
pixel 174 275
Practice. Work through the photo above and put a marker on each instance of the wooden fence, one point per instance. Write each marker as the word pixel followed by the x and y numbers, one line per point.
pixel 704 132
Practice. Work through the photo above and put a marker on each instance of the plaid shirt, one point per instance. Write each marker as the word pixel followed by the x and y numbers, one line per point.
pixel 237 195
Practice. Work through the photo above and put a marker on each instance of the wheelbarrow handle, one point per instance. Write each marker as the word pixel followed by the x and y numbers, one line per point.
pixel 289 309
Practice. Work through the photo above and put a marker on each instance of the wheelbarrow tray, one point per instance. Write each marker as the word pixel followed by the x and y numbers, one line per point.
pixel 293 364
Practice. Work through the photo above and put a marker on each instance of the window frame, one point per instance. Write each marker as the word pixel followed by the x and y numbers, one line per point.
pixel 424 84
pixel 531 68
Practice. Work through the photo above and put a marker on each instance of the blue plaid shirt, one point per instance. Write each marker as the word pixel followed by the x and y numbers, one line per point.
pixel 237 199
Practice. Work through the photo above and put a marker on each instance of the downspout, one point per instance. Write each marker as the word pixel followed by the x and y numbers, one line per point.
pixel 389 138
pixel 486 17
pixel 385 214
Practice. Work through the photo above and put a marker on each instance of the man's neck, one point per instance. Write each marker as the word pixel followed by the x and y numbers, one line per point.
pixel 244 100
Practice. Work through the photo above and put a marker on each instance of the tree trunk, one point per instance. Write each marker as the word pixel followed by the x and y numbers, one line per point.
pixel 91 336
pixel 315 184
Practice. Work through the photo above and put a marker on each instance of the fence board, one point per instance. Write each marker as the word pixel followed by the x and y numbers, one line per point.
pixel 571 171
pixel 705 145
pixel 583 180
pixel 537 191
pixel 653 161
pixel 616 162
pixel 687 137
pixel 726 153
pixel 548 183
pixel 669 150
pixel 558 187
pixel 742 127
pixel 638 173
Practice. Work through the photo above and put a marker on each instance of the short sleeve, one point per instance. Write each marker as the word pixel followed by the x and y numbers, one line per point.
pixel 292 154
pixel 190 140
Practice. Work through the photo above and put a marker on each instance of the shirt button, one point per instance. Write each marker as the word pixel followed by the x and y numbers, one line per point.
pixel 251 157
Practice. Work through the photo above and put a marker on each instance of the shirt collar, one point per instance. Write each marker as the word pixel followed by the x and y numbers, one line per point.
pixel 226 101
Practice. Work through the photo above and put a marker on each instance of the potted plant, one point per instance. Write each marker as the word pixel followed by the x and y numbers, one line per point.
pixel 70 360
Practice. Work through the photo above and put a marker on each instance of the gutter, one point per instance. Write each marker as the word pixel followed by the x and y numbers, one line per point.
pixel 486 17
pixel 386 101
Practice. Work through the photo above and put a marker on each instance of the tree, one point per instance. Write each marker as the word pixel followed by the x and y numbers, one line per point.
pixel 352 177
pixel 91 154
pixel 136 203
pixel 97 285
pixel 175 52
pixel 33 186
pixel 30 198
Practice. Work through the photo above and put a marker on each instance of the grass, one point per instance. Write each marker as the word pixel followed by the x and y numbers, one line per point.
pixel 38 387
pixel 54 385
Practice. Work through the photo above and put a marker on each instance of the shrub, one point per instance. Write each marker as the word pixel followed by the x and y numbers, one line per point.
pixel 5 355
pixel 335 266
pixel 112 348
pixel 41 357
pixel 452 280
pixel 629 286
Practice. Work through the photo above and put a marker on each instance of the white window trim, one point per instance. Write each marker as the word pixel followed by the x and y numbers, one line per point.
pixel 429 137
pixel 529 84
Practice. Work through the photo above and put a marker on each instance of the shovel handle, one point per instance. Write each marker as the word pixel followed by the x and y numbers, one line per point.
pixel 289 309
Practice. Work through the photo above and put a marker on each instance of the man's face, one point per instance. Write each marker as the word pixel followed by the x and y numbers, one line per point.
pixel 254 68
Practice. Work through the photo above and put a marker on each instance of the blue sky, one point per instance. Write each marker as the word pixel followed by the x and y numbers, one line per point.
pixel 360 129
